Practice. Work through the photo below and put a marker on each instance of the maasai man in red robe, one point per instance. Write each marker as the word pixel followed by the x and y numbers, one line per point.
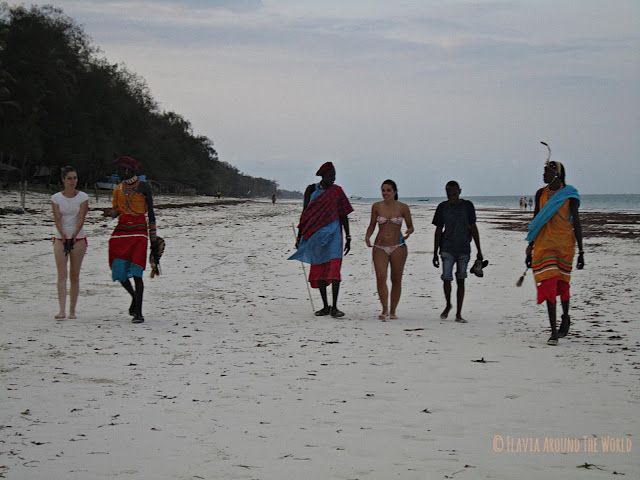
pixel 324 215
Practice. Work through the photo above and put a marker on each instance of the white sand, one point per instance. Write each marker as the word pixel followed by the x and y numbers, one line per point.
pixel 232 377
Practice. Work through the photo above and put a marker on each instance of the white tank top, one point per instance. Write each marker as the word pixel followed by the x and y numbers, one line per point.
pixel 69 210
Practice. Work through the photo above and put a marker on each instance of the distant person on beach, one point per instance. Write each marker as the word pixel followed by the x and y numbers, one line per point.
pixel 552 238
pixel 455 221
pixel 131 200
pixel 319 243
pixel 70 207
pixel 389 247
pixel 273 199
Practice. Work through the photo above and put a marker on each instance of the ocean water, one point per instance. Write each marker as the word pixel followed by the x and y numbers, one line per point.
pixel 603 203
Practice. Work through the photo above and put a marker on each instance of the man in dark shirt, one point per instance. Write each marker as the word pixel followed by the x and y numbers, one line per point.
pixel 455 221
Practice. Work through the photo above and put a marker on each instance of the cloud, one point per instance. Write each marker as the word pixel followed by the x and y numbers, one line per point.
pixel 432 89
pixel 233 5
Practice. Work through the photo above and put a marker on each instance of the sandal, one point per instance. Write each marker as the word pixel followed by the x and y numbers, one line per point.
pixel 564 326
pixel 477 267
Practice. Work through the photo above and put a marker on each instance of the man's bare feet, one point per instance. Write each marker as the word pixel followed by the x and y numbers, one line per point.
pixel 72 316
pixel 445 312
pixel 60 316
pixel 383 316
pixel 459 319
pixel 393 316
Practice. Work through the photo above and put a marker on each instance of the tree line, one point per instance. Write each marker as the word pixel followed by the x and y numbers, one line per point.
pixel 62 102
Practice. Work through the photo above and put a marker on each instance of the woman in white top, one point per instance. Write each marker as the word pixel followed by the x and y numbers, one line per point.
pixel 70 207
pixel 389 248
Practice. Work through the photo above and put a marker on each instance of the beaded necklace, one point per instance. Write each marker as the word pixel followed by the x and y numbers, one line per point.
pixel 130 186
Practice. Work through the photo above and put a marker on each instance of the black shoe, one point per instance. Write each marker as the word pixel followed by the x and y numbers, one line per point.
pixel 324 311
pixel 137 318
pixel 335 313
pixel 553 340
pixel 132 308
pixel 477 267
pixel 564 326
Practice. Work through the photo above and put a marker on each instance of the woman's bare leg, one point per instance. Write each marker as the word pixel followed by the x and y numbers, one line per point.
pixel 398 258
pixel 76 256
pixel 381 263
pixel 61 267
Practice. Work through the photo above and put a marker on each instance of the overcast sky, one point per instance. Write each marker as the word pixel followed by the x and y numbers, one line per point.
pixel 420 92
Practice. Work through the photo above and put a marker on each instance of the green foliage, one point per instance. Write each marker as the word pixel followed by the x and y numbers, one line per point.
pixel 61 103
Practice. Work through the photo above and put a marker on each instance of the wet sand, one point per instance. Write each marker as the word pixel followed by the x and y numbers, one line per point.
pixel 594 224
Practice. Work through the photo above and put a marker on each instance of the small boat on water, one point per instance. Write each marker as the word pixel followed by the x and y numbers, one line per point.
pixel 110 182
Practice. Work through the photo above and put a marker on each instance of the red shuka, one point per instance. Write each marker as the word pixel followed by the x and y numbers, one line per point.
pixel 328 207
pixel 129 240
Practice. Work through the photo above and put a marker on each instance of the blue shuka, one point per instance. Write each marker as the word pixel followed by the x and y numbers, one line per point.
pixel 324 245
pixel 549 210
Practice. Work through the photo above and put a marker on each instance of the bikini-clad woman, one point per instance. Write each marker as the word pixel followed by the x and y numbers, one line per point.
pixel 70 207
pixel 389 247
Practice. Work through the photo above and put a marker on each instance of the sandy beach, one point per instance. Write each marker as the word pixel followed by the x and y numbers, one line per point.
pixel 232 377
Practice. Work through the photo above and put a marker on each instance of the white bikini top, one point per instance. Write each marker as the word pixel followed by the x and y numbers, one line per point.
pixel 394 220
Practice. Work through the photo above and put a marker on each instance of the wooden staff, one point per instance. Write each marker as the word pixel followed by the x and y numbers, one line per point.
pixel 304 272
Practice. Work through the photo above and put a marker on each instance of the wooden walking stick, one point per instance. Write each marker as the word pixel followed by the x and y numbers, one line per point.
pixel 304 272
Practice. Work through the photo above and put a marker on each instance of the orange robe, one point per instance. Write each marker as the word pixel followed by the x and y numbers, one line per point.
pixel 134 203
pixel 555 245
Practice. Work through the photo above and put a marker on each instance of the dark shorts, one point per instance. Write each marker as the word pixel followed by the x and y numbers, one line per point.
pixel 448 259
